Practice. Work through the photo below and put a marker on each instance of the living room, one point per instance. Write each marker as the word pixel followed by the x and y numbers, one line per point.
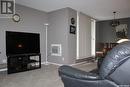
pixel 65 32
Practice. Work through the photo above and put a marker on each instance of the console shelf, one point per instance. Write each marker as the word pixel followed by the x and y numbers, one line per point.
pixel 23 62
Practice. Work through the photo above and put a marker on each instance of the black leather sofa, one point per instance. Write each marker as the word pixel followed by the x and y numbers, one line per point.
pixel 114 71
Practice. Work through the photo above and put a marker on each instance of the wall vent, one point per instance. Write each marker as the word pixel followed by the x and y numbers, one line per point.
pixel 56 50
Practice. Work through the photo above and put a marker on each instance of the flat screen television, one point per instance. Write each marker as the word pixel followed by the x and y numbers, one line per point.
pixel 22 43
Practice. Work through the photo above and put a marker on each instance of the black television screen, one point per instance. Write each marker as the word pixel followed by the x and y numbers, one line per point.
pixel 22 43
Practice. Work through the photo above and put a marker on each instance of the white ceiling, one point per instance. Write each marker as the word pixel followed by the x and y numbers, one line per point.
pixel 98 9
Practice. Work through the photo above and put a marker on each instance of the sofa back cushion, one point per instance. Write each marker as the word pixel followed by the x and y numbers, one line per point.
pixel 114 58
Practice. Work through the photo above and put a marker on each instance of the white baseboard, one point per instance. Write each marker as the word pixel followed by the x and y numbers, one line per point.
pixel 44 63
pixel 55 64
pixel 48 63
pixel 77 63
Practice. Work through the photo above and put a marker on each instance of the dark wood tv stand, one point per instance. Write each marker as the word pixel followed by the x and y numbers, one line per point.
pixel 23 62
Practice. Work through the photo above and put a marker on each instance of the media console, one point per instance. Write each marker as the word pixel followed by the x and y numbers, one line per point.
pixel 23 62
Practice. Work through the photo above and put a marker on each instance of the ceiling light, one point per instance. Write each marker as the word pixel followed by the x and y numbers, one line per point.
pixel 115 22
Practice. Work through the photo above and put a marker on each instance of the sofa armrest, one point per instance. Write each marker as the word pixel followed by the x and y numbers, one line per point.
pixel 75 73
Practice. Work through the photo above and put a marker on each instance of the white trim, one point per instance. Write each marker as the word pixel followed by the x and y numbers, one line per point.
pixel 44 63
pixel 48 63
pixel 46 25
pixel 83 57
pixel 55 63
pixel 46 44
pixel 77 32
pixel 93 37
pixel 77 63
pixel 66 64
